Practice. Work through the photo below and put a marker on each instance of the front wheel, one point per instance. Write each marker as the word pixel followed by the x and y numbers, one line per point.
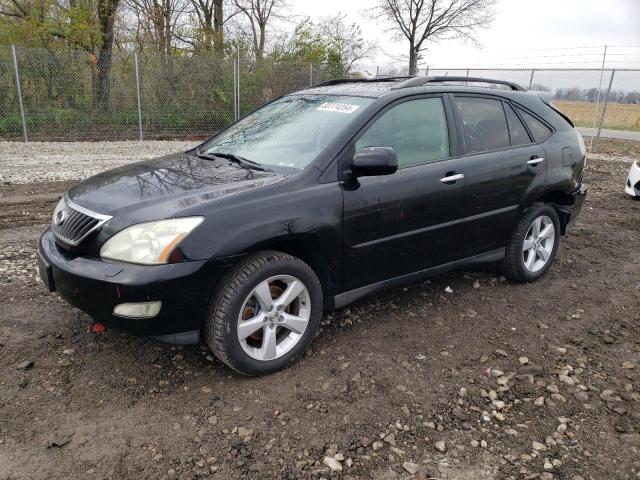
pixel 264 314
pixel 533 244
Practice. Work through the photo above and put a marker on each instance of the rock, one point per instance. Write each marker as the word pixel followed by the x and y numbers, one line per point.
pixel 339 456
pixel 558 397
pixel 244 432
pixel 539 447
pixel 552 388
pixel 581 396
pixel 333 464
pixel 390 439
pixel 440 446
pixel 410 467
pixel 68 351
pixel 499 404
pixel 628 365
pixel 547 464
pixel 475 443
pixel 462 393
pixel 523 360
pixel 483 444
pixel 561 350
pixel 538 402
pixel 566 379
pixel 365 442
pixel 501 352
pixel 26 365
pixel 377 446
pixel 448 289
pixel 609 396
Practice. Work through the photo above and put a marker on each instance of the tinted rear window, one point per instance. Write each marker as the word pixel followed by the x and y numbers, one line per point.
pixel 484 126
pixel 538 129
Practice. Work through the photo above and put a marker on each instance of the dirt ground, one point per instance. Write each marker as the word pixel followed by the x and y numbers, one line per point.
pixel 493 380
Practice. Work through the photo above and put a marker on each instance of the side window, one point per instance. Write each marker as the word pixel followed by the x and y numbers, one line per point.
pixel 519 135
pixel 484 126
pixel 416 129
pixel 538 129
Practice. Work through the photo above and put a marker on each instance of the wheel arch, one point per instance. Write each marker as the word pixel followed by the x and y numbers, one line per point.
pixel 562 202
pixel 307 249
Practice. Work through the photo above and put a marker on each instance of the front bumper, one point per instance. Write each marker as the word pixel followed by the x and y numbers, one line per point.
pixel 632 187
pixel 96 287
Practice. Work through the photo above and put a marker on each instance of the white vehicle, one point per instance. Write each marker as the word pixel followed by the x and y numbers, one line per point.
pixel 632 188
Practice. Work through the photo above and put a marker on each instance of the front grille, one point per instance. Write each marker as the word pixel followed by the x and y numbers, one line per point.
pixel 72 223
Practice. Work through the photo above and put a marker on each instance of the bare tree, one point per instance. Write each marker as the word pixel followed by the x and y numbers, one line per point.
pixel 420 21
pixel 258 13
pixel 345 40
pixel 158 23
pixel 211 20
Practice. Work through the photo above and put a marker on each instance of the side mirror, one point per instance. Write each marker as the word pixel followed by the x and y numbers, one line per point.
pixel 372 161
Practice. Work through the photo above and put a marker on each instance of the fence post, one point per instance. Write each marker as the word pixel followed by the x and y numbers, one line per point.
pixel 238 84
pixel 606 101
pixel 533 70
pixel 15 66
pixel 426 73
pixel 235 91
pixel 135 58
pixel 310 74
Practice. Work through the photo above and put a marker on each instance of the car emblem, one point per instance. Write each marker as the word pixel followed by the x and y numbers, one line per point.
pixel 59 218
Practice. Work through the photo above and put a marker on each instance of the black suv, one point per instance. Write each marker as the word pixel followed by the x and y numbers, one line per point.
pixel 313 201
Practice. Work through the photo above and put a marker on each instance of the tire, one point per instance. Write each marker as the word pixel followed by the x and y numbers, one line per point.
pixel 281 334
pixel 529 267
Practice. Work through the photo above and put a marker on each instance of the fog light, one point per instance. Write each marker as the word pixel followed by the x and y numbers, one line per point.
pixel 138 310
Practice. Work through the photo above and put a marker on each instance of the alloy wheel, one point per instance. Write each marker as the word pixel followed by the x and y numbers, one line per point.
pixel 538 243
pixel 274 317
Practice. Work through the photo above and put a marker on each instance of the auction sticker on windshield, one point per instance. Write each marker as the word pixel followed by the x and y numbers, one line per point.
pixel 338 107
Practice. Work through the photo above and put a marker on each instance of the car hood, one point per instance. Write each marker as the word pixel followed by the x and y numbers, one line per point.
pixel 175 181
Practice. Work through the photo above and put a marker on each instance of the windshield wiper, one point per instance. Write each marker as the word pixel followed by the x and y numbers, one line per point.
pixel 243 162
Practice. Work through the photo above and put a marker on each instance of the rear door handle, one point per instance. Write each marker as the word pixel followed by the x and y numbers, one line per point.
pixel 452 178
pixel 535 161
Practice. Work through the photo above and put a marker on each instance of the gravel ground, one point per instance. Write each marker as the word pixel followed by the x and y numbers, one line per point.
pixel 493 380
pixel 54 162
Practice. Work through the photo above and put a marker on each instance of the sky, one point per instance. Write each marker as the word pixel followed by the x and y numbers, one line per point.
pixel 525 33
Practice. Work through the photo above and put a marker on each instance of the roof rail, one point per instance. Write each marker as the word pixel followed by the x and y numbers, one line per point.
pixel 418 81
pixel 337 81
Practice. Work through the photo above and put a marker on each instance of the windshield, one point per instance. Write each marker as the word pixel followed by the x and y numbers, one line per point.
pixel 289 132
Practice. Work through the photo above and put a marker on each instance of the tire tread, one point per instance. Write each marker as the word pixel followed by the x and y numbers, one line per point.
pixel 229 286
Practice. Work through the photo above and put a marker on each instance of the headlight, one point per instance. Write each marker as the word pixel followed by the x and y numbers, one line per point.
pixel 149 243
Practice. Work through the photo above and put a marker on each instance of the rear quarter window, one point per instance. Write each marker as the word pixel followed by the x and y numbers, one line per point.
pixel 538 129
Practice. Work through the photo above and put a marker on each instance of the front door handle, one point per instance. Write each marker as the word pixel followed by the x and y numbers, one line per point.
pixel 452 178
pixel 535 161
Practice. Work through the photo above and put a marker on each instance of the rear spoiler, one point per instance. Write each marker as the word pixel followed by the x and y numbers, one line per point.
pixel 557 110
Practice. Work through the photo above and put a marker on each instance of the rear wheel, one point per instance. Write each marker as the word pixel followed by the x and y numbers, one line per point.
pixel 265 313
pixel 533 244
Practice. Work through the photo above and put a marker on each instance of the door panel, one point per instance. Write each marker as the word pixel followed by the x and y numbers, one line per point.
pixel 503 166
pixel 402 223
pixel 497 182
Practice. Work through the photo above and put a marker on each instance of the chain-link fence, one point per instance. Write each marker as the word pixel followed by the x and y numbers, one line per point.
pixel 59 95
pixel 73 95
